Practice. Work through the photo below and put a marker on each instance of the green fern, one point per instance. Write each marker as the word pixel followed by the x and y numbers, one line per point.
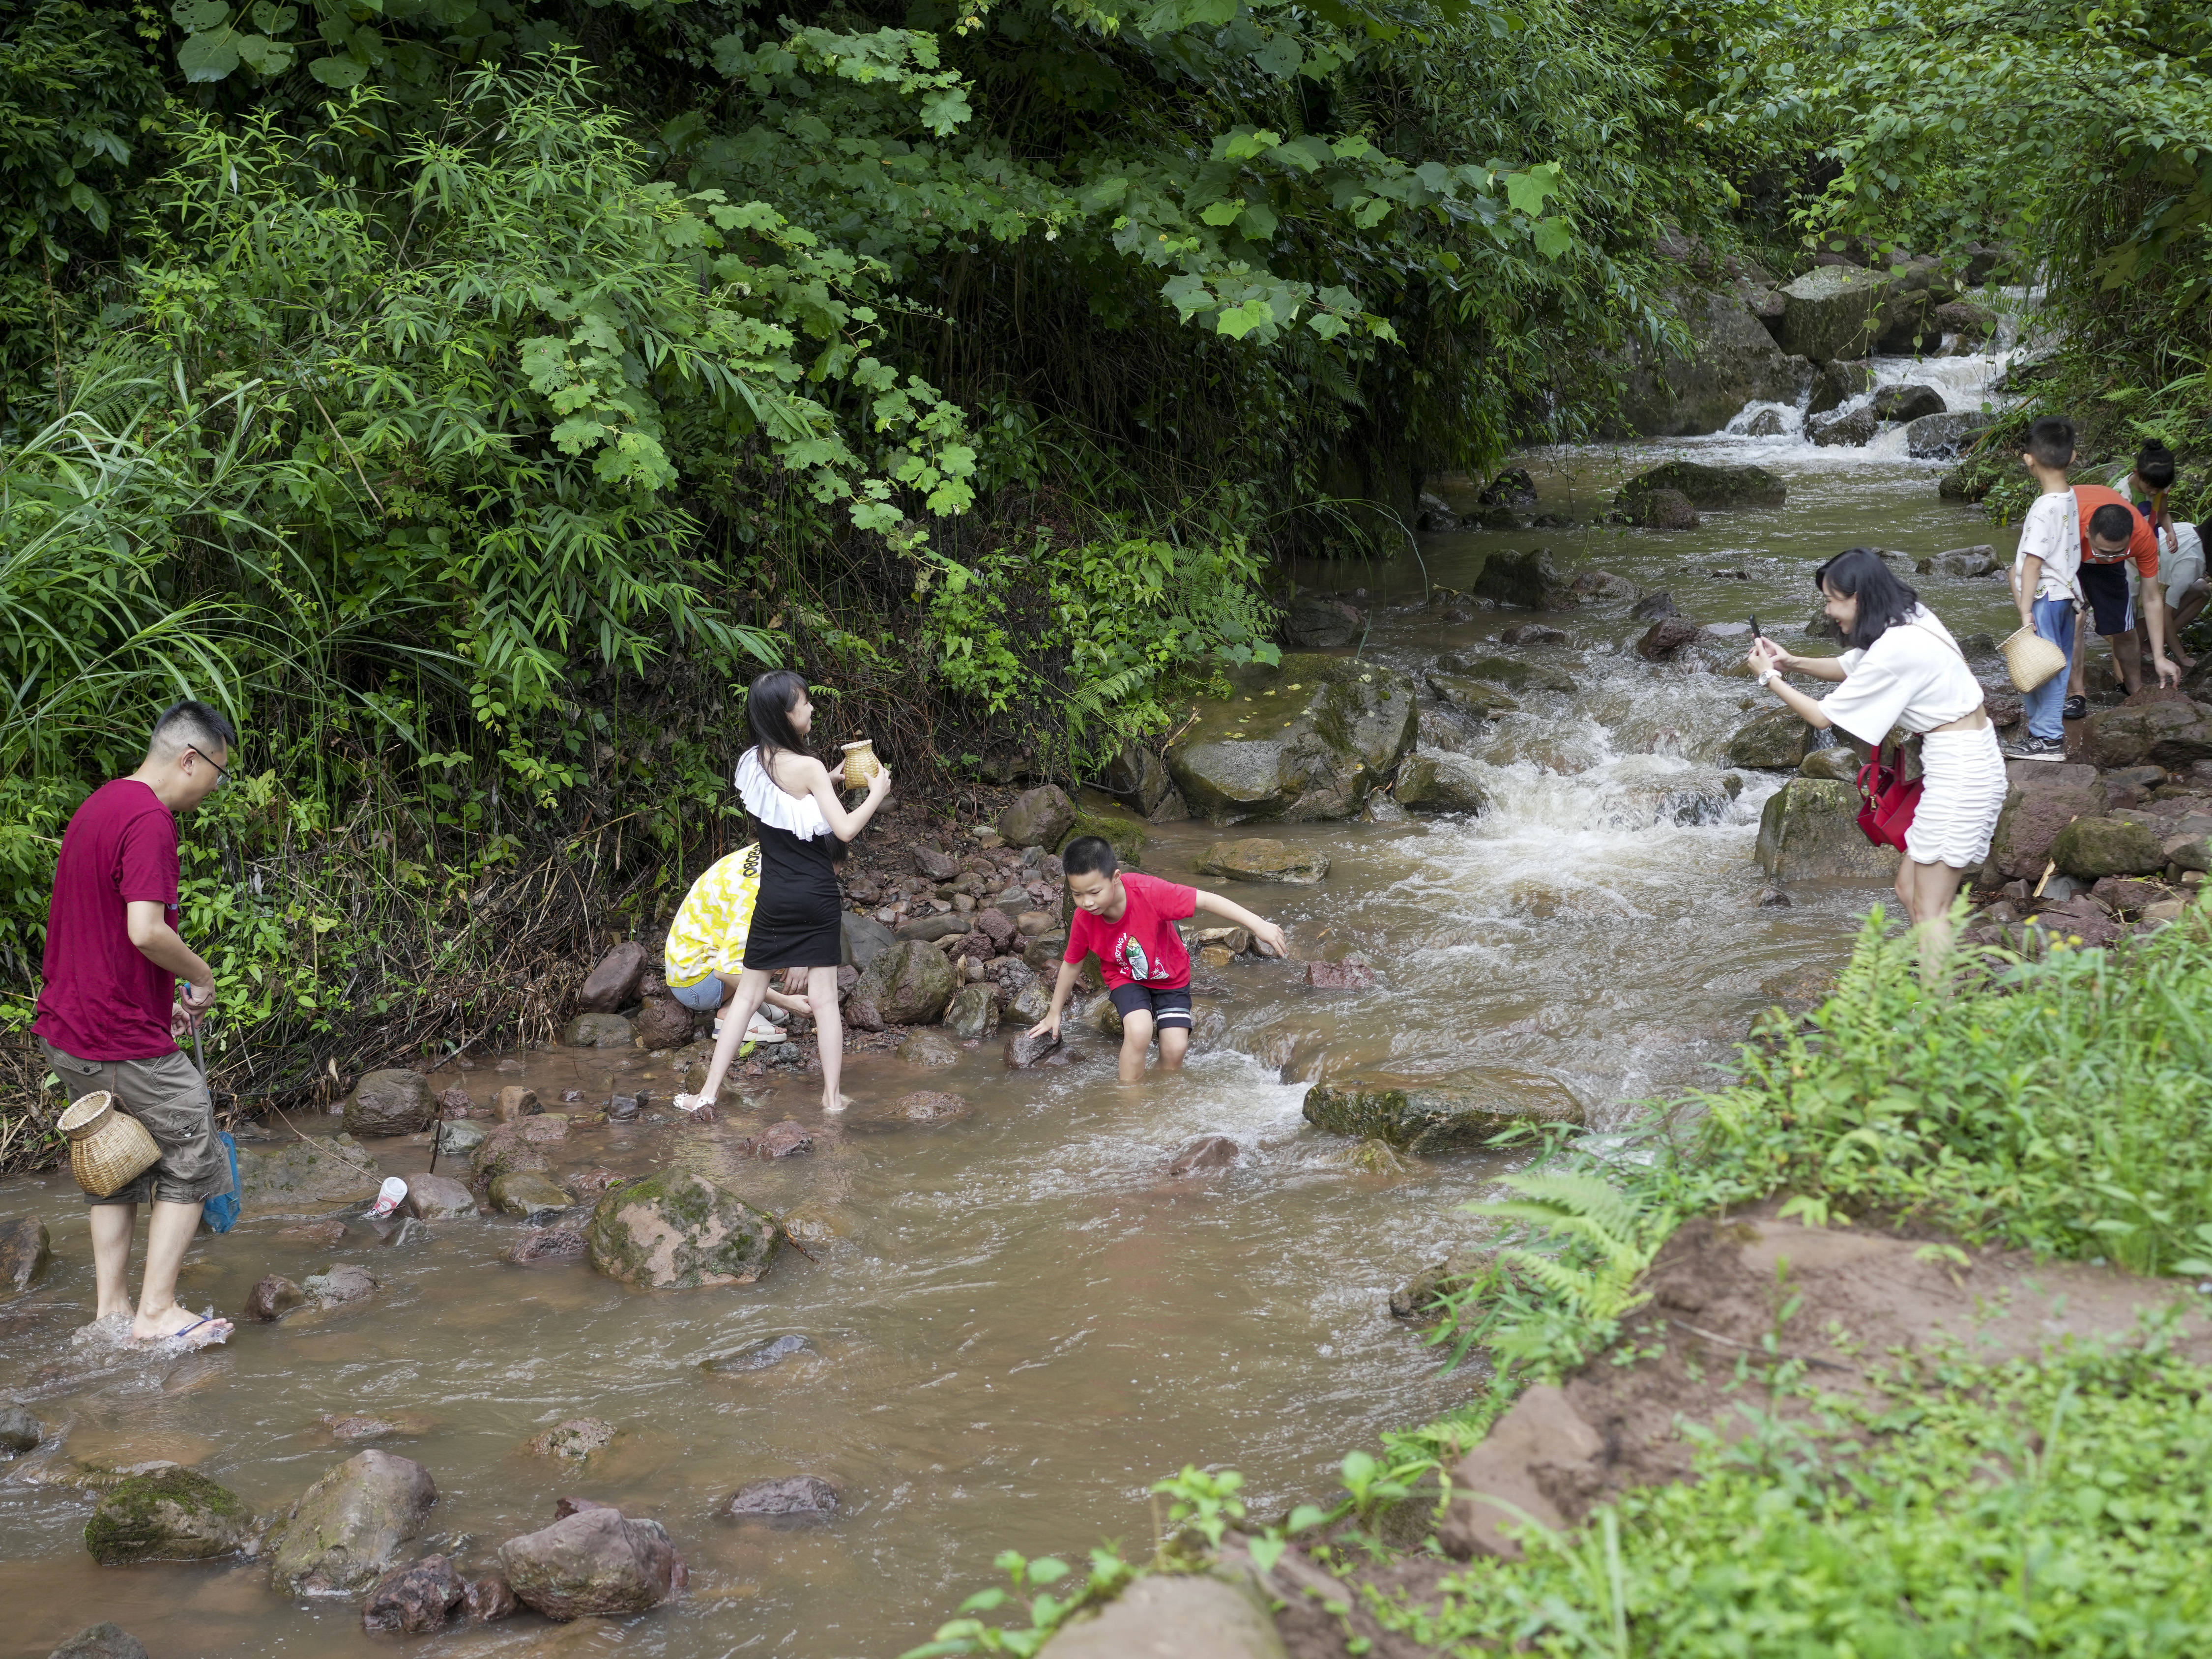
pixel 1618 1237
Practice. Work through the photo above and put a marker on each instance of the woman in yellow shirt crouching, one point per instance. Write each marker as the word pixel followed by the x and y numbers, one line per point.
pixel 706 948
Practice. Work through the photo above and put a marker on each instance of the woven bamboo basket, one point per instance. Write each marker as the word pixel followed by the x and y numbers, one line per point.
pixel 2030 659
pixel 109 1149
pixel 861 764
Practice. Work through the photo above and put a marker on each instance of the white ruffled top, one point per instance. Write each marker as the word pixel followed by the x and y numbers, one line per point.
pixel 800 815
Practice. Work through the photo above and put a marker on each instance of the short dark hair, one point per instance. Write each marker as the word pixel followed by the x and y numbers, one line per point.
pixel 1088 856
pixel 768 703
pixel 1859 573
pixel 2112 523
pixel 2154 465
pixel 190 724
pixel 2050 440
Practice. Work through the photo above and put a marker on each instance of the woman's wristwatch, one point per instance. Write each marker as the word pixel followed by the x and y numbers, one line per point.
pixel 1768 679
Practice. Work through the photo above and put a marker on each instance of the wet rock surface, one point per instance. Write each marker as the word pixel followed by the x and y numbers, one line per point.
pixel 597 1562
pixel 528 1195
pixel 1203 1156
pixel 340 1285
pixel 1426 1117
pixel 25 1252
pixel 168 1514
pixel 678 1230
pixel 908 984
pixel 551 1244
pixel 1809 829
pixel 929 1049
pixel 1441 783
pixel 438 1198
pixel 1708 489
pixel 1308 739
pixel 1259 859
pixel 788 1138
pixel 346 1530
pixel 784 1497
pixel 763 1355
pixel 612 984
pixel 310 1168
pixel 100 1641
pixel 390 1102
pixel 20 1432
pixel 271 1298
pixel 1023 1050
pixel 414 1601
pixel 575 1440
pixel 1039 817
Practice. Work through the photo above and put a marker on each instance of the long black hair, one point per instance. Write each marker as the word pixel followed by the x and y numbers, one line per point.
pixel 1884 602
pixel 768 703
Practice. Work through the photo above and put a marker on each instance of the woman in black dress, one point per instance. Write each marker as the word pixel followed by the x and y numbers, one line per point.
pixel 797 921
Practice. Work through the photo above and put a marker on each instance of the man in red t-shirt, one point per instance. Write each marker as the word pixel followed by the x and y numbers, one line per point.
pixel 112 963
pixel 1130 922
pixel 2114 536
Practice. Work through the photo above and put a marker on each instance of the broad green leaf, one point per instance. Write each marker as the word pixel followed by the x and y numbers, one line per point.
pixel 263 56
pixel 1279 57
pixel 339 72
pixel 1237 321
pixel 273 19
pixel 1553 237
pixel 200 16
pixel 208 57
pixel 1221 213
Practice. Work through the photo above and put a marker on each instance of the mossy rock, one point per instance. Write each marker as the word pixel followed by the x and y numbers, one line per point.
pixel 1121 833
pixel 1513 673
pixel 170 1513
pixel 2089 848
pixel 1479 699
pixel 1305 741
pixel 1708 488
pixel 1810 829
pixel 1437 1116
pixel 330 1169
pixel 1441 783
pixel 1772 740
pixel 678 1231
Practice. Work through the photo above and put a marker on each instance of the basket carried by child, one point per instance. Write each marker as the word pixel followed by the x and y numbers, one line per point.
pixel 2030 659
pixel 109 1149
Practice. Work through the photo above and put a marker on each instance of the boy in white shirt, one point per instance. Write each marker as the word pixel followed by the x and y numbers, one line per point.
pixel 2043 581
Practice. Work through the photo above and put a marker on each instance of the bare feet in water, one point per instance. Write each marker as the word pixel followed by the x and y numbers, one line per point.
pixel 838 1104
pixel 196 1330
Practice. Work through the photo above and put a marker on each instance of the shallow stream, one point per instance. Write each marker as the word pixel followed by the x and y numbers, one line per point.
pixel 1022 1321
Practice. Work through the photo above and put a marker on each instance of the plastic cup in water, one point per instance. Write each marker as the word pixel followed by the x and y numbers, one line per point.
pixel 388 1198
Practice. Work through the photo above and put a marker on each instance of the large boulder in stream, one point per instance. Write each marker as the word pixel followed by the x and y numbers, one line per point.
pixel 390 1102
pixel 1810 830
pixel 678 1230
pixel 2091 848
pixel 1732 361
pixel 1424 1116
pixel 908 984
pixel 1708 489
pixel 1310 739
pixel 1260 858
pixel 1515 674
pixel 2173 735
pixel 1772 740
pixel 1832 312
pixel 168 1514
pixel 1946 436
pixel 1530 578
pixel 1441 783
pixel 595 1561
pixel 345 1531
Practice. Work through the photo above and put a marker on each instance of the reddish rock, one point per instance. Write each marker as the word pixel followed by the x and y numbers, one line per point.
pixel 272 1299
pixel 551 1244
pixel 997 926
pixel 2125 896
pixel 454 1103
pixel 789 1139
pixel 565 1507
pixel 860 1013
pixel 1023 1050
pixel 514 1103
pixel 1349 974
pixel 613 984
pixel 415 1600
pixel 545 1130
pixel 593 1183
pixel 1665 637
pixel 663 1023
pixel 596 1561
pixel 490 1598
pixel 314 1232
pixel 1206 1153
pixel 936 866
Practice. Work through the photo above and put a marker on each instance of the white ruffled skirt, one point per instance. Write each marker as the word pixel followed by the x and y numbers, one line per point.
pixel 1963 790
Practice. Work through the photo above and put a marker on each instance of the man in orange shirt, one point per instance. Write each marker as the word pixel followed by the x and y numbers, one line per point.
pixel 2114 535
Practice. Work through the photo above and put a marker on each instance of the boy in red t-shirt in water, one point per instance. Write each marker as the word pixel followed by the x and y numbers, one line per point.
pixel 1130 921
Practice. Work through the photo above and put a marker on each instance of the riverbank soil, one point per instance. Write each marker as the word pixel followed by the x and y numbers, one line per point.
pixel 1737 1304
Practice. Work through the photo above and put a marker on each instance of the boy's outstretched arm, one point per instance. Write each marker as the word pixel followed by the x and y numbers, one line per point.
pixel 1261 928
pixel 1060 988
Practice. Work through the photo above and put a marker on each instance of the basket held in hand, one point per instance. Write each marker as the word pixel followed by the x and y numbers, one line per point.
pixel 861 764
pixel 2030 659
pixel 109 1149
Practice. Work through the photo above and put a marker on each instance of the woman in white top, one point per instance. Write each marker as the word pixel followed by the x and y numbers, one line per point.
pixel 1903 671
pixel 796 921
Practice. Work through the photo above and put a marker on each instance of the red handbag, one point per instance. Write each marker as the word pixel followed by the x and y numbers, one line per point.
pixel 1886 803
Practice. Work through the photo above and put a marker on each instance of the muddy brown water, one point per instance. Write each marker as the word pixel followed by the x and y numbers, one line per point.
pixel 1020 1322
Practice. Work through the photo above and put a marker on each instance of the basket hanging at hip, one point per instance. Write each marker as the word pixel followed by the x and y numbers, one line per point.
pixel 2030 659
pixel 109 1149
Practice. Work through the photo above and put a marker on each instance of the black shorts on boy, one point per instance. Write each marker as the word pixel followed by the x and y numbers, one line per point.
pixel 1167 1005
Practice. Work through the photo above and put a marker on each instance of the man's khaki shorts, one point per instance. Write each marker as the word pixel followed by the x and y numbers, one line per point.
pixel 170 1098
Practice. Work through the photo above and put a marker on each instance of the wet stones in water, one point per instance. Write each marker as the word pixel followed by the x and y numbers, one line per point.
pixel 613 983
pixel 1809 829
pixel 1376 1158
pixel 528 1194
pixel 390 1102
pixel 168 1514
pixel 1709 488
pixel 340 1286
pixel 588 1185
pixel 789 1139
pixel 25 1251
pixel 1943 437
pixel 415 1599
pixel 678 1231
pixel 789 1499
pixel 1259 859
pixel 1513 673
pixel 1835 383
pixel 489 1599
pixel 551 1244
pixel 621 1108
pixel 1767 424
pixel 455 1103
pixel 924 1106
pixel 1772 740
pixel 1204 1156
pixel 973 1013
pixel 598 1032
pixel 1532 634
pixel 662 1022
pixel 1854 430
pixel 1425 1117
pixel 357 1426
pixel 1665 637
pixel 927 1048
pixel 514 1103
pixel 597 1561
pixel 1352 973
pixel 1314 622
pixel 761 1356
pixel 502 1151
pixel 1771 898
pixel 1664 509
pixel 1023 1050
pixel 996 925
pixel 576 1439
pixel 1436 515
pixel 315 1232
pixel 1438 782
pixel 459 1140
pixel 100 1641
pixel 1031 1004
pixel 1139 776
pixel 1309 738
pixel 345 1530
pixel 1592 587
pixel 1479 699
pixel 20 1432
pixel 1531 579
pixel 271 1298
pixel 908 984
pixel 564 1507
pixel 1037 818
pixel 1652 606
pixel 438 1198
pixel 1963 561
pixel 1907 403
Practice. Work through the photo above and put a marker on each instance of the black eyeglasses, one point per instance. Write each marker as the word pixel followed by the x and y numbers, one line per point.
pixel 222 774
